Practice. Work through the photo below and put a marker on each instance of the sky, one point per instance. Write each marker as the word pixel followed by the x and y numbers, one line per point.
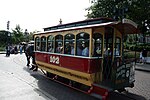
pixel 34 15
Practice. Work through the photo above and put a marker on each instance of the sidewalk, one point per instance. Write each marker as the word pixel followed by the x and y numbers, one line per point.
pixel 4 52
pixel 142 67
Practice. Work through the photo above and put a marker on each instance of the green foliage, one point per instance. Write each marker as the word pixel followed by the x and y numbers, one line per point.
pixel 138 10
pixel 131 54
pixel 137 47
pixel 100 8
pixel 17 35
pixel 2 47
pixel 31 35
pixel 3 37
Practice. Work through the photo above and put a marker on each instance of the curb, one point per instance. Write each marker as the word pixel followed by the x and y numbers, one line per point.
pixel 141 69
pixel 2 52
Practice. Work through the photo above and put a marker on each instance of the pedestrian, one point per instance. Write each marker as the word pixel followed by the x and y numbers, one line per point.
pixel 30 54
pixel 20 49
pixel 144 54
pixel 141 57
pixel 7 50
pixel 15 50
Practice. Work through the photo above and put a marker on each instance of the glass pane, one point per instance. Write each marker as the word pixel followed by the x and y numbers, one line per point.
pixel 43 44
pixel 117 47
pixel 50 44
pixel 37 42
pixel 69 44
pixel 59 44
pixel 98 44
pixel 82 48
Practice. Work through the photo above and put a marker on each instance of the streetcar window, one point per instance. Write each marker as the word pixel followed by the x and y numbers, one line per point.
pixel 37 44
pixel 117 47
pixel 82 44
pixel 59 44
pixel 43 43
pixel 69 44
pixel 108 41
pixel 98 38
pixel 50 44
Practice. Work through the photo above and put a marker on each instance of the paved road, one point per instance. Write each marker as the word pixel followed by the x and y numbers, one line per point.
pixel 18 82
pixel 142 84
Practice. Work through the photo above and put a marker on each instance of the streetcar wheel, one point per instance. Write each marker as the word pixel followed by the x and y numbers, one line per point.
pixel 47 74
pixel 121 90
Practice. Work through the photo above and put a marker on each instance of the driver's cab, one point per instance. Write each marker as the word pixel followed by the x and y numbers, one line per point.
pixel 107 47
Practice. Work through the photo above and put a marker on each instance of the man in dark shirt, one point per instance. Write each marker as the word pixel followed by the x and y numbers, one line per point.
pixel 7 50
pixel 30 54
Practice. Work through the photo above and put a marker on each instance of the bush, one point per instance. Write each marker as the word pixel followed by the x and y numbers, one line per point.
pixel 139 47
pixel 131 54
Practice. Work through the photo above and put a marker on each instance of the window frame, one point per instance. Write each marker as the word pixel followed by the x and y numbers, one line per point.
pixel 37 44
pixel 50 40
pixel 82 38
pixel 71 44
pixel 97 44
pixel 43 42
pixel 57 41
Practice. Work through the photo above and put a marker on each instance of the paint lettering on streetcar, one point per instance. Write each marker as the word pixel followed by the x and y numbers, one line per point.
pixel 54 59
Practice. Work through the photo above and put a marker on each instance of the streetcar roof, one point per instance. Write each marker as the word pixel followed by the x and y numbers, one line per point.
pixel 80 23
pixel 79 27
pixel 125 26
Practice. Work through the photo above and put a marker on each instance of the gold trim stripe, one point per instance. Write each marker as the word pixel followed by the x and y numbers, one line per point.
pixel 77 76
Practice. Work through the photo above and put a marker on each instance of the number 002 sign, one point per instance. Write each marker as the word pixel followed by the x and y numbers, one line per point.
pixel 54 59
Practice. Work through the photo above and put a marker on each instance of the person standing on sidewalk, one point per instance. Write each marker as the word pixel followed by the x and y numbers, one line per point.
pixel 20 49
pixel 7 50
pixel 141 57
pixel 144 54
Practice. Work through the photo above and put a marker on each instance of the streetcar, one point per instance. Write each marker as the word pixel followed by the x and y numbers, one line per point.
pixel 87 55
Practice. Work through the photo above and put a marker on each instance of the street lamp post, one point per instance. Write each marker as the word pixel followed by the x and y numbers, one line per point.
pixel 26 34
pixel 8 33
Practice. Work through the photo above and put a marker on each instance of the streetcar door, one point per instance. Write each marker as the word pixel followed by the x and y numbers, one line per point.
pixel 108 53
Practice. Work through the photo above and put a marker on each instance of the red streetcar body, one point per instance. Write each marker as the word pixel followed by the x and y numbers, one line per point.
pixel 82 64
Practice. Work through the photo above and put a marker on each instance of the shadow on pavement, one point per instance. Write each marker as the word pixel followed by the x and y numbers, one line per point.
pixel 123 96
pixel 52 89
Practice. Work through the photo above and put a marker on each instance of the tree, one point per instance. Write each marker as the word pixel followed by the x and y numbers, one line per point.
pixel 17 35
pixel 3 37
pixel 136 10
